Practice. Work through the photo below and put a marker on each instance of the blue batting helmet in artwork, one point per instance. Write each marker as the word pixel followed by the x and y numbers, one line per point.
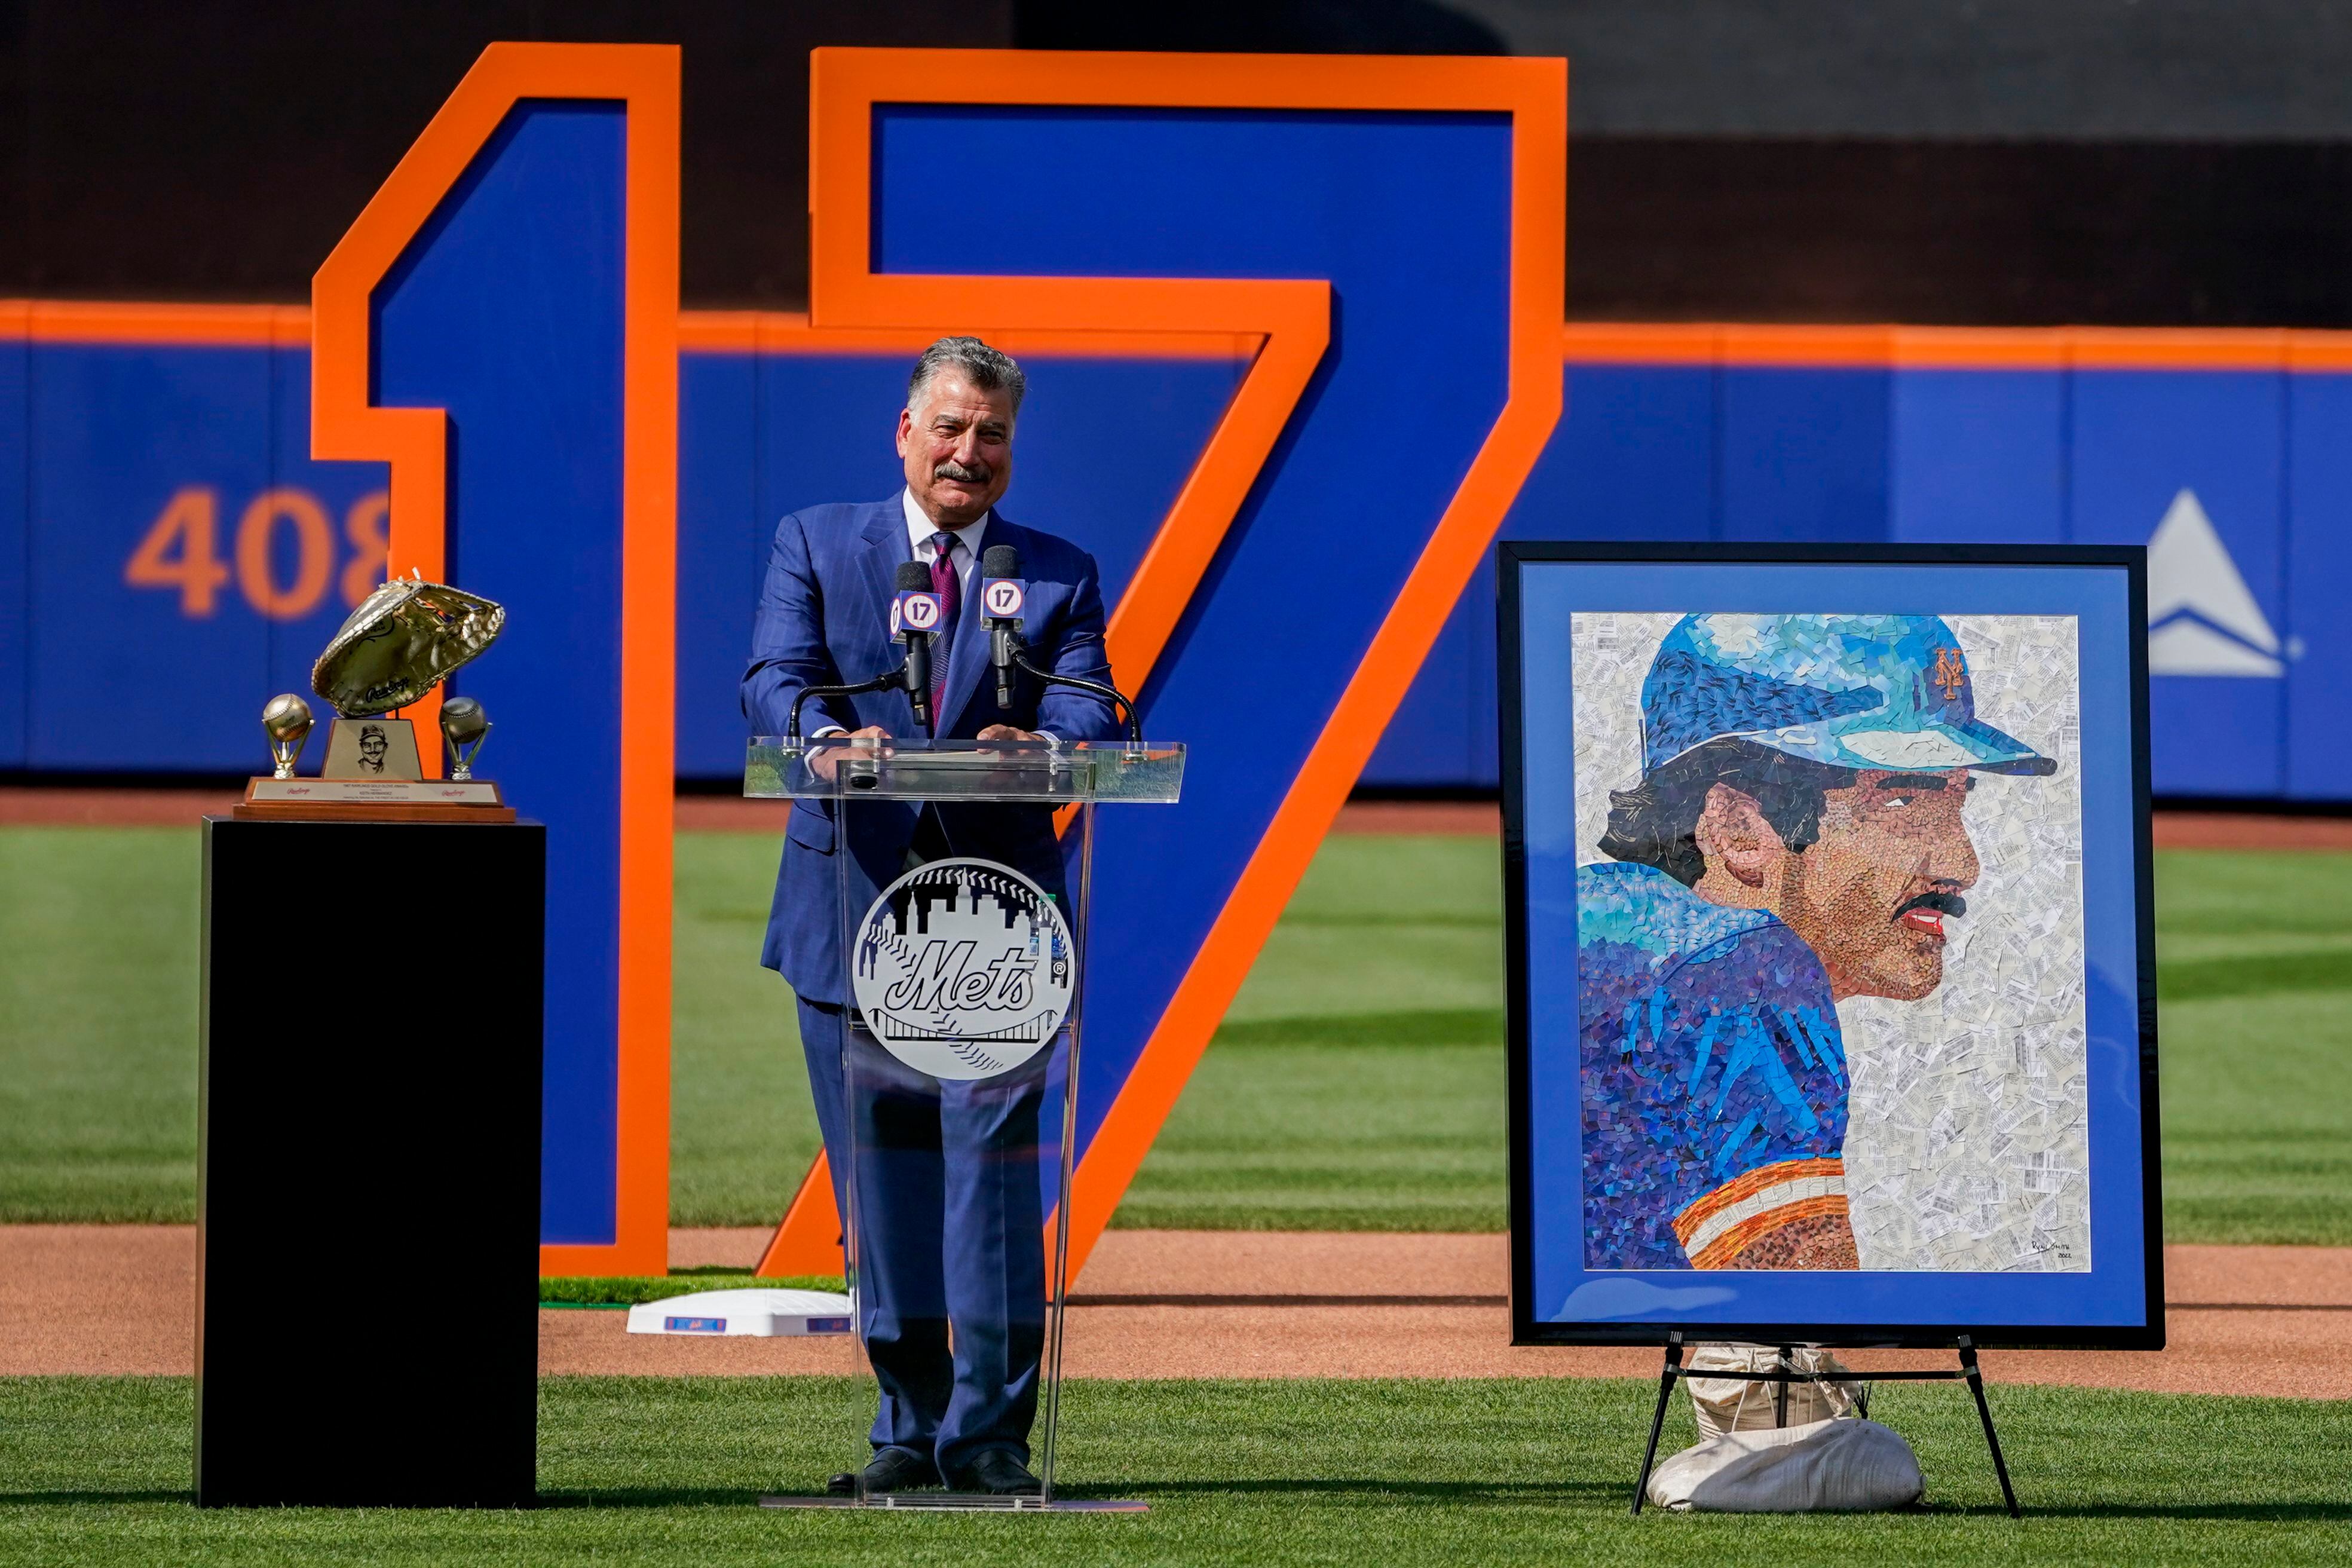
pixel 1851 691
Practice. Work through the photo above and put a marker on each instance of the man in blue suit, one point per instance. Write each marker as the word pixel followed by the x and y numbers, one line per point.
pixel 951 1275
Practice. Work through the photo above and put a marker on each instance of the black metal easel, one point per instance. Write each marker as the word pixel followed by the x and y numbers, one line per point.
pixel 1969 1372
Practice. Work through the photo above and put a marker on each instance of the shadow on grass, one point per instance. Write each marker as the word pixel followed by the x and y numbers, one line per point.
pixel 1513 1492
pixel 2241 1513
pixel 662 1497
pixel 1377 1487
pixel 41 1500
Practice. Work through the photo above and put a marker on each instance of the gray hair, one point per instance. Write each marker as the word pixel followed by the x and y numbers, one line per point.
pixel 986 368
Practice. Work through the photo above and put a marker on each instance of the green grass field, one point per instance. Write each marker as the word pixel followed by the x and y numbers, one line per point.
pixel 1356 1084
pixel 651 1471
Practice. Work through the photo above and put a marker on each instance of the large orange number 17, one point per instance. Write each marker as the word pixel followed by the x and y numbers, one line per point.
pixel 501 324
pixel 1391 231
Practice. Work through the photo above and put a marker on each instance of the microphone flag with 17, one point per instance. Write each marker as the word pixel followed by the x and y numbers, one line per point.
pixel 915 615
pixel 1001 600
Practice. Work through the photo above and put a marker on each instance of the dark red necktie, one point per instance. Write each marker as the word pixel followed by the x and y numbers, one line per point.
pixel 951 593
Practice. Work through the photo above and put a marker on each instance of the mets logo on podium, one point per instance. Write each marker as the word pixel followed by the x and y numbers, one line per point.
pixel 963 969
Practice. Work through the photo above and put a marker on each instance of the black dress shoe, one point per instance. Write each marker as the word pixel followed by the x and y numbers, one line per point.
pixel 997 1471
pixel 890 1470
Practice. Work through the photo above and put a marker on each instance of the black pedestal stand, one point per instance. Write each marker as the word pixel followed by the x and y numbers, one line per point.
pixel 1786 1374
pixel 367 1233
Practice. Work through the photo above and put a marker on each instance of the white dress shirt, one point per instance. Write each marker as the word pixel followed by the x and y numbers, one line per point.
pixel 964 552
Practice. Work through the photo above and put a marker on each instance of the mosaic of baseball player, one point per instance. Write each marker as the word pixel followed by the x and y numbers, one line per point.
pixel 1797 838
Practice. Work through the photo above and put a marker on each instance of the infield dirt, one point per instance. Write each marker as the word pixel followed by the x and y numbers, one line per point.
pixel 119 1300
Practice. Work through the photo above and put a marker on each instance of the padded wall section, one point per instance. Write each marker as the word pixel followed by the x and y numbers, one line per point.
pixel 2201 455
pixel 722 544
pixel 2319 628
pixel 514 324
pixel 15 683
pixel 159 666
pixel 1803 453
pixel 1978 458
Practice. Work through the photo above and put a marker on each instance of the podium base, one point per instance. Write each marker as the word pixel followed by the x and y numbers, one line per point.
pixel 968 1502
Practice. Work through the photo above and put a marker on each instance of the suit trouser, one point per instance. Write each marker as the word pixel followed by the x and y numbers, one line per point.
pixel 950 1231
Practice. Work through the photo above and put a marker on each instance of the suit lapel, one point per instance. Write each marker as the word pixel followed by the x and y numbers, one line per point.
pixel 885 536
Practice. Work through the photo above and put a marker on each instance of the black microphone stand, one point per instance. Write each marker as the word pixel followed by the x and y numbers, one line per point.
pixel 1119 699
pixel 793 746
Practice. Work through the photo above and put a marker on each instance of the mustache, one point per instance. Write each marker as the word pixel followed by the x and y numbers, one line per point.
pixel 977 474
pixel 1946 903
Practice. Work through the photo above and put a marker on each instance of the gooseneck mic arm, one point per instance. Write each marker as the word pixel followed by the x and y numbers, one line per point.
pixel 879 683
pixel 1134 725
pixel 1002 597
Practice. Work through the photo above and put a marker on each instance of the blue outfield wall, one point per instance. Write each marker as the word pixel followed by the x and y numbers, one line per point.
pixel 170 556
pixel 1984 457
pixel 16 666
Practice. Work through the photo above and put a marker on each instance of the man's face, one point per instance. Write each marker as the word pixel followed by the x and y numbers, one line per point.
pixel 1870 896
pixel 374 743
pixel 957 445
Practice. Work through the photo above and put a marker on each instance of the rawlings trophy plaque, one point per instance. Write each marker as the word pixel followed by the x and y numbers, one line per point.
pixel 403 640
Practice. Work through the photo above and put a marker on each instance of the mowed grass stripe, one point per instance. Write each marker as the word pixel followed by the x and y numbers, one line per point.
pixel 1356 1083
pixel 2269 973
pixel 1475 1026
pixel 662 1471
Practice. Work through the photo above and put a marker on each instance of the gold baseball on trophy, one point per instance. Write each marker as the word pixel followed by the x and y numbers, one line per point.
pixel 287 722
pixel 464 726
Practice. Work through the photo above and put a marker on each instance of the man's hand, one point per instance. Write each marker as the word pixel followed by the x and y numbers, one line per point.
pixel 826 756
pixel 1007 733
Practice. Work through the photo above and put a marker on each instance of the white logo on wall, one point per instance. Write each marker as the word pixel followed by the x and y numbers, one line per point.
pixel 2202 617
pixel 963 969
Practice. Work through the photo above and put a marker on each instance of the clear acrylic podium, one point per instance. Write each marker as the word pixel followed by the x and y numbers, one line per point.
pixel 964 962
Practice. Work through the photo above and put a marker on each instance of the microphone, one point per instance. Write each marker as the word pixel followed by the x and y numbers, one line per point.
pixel 1001 599
pixel 914 615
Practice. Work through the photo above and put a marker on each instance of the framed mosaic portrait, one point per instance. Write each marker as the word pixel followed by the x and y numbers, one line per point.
pixel 1831 957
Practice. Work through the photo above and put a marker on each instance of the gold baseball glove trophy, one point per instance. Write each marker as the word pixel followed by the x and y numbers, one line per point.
pixel 405 639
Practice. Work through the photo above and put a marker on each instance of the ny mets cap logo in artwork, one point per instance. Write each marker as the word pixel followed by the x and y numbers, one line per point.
pixel 963 969
pixel 1851 691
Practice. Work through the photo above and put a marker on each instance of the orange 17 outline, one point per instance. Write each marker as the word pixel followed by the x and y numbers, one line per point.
pixel 345 424
pixel 1293 317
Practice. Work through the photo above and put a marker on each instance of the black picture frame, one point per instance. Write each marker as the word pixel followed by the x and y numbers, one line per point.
pixel 1511 558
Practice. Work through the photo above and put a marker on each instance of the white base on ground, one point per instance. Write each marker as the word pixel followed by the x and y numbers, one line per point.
pixel 1844 1465
pixel 763 1313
